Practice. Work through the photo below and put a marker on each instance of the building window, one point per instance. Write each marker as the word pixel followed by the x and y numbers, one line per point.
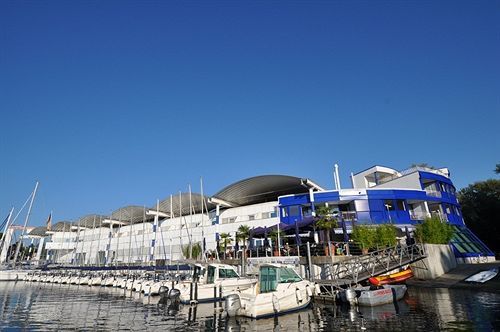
pixel 389 205
pixel 251 217
pixel 294 210
pixel 400 204
pixel 266 215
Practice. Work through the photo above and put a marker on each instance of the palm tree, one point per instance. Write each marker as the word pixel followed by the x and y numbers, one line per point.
pixel 243 234
pixel 325 220
pixel 274 235
pixel 226 238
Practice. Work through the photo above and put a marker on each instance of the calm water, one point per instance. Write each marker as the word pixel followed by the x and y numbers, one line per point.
pixel 34 306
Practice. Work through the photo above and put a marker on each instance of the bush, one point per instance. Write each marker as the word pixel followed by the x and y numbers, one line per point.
pixel 196 251
pixel 364 236
pixel 386 236
pixel 434 231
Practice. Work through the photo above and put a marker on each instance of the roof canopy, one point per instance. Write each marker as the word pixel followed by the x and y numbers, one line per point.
pixel 182 202
pixel 131 214
pixel 38 231
pixel 260 189
pixel 90 221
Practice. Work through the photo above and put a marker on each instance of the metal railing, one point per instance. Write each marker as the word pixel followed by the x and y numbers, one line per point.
pixel 358 268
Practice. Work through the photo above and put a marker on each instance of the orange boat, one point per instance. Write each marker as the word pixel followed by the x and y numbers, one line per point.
pixel 391 278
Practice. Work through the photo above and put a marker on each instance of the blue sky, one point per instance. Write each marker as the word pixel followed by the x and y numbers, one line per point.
pixel 116 103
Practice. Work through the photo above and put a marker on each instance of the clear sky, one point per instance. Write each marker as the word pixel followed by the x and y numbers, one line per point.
pixel 115 103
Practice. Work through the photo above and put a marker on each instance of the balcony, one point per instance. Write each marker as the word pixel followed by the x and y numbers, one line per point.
pixel 433 193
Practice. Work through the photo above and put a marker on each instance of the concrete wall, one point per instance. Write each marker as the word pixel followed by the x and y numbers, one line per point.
pixel 440 259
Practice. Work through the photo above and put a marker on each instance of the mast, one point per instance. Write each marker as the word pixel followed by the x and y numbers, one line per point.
pixel 18 247
pixel 4 235
pixel 191 221
pixel 203 243
pixel 171 221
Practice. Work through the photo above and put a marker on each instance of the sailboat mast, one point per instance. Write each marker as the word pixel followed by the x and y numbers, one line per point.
pixel 25 223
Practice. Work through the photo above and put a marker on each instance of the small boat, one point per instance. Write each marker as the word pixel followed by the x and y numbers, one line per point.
pixel 279 290
pixel 391 278
pixel 483 276
pixel 373 295
pixel 221 277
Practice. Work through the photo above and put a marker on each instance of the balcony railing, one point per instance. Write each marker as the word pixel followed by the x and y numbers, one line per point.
pixel 433 193
pixel 419 215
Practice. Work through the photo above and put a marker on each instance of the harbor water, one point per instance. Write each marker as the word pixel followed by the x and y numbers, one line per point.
pixel 57 307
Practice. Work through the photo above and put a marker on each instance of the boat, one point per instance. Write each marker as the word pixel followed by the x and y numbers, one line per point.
pixel 391 278
pixel 483 276
pixel 214 283
pixel 279 290
pixel 373 295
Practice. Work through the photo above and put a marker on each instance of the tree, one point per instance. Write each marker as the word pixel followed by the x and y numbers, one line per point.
pixel 226 238
pixel 434 231
pixel 274 235
pixel 480 209
pixel 243 235
pixel 497 169
pixel 385 236
pixel 325 220
pixel 364 236
pixel 195 251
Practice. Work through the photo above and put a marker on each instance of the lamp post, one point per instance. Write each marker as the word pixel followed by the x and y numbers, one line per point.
pixel 388 213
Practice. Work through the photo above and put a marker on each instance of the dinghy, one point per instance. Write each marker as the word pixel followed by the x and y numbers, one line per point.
pixel 279 290
pixel 391 278
pixel 483 276
pixel 373 295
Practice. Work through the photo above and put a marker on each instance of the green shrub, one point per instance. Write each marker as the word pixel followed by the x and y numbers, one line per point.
pixel 434 231
pixel 196 251
pixel 364 236
pixel 386 236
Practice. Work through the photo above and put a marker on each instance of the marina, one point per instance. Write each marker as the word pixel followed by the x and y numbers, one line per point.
pixel 181 253
pixel 55 307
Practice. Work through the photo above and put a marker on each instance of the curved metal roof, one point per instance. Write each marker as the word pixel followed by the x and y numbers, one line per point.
pixel 183 200
pixel 131 214
pixel 260 189
pixel 62 226
pixel 90 221
pixel 39 231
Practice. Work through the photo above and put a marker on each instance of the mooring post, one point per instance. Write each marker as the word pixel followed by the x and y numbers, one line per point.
pixel 220 297
pixel 191 291
pixel 309 263
pixel 215 297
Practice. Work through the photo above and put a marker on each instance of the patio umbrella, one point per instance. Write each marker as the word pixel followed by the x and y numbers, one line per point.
pixel 250 240
pixel 298 240
pixel 266 241
pixel 344 231
pixel 236 245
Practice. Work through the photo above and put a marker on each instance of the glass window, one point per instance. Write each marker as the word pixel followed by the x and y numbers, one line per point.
pixel 268 280
pixel 266 215
pixel 251 217
pixel 288 275
pixel 210 275
pixel 294 210
pixel 284 212
pixel 389 205
pixel 227 273
pixel 400 205
pixel 306 211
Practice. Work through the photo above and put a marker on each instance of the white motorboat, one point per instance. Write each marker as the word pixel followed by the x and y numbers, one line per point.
pixel 96 280
pixel 483 276
pixel 279 290
pixel 108 281
pixel 373 295
pixel 218 281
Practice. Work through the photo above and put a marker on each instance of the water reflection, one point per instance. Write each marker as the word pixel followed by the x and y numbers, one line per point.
pixel 39 306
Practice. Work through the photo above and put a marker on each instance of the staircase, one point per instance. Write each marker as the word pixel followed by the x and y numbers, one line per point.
pixel 359 268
